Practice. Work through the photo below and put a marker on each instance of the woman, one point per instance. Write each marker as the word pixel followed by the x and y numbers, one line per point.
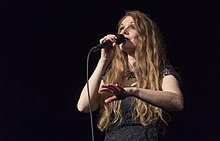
pixel 133 84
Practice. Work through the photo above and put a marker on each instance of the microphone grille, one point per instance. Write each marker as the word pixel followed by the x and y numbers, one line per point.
pixel 120 38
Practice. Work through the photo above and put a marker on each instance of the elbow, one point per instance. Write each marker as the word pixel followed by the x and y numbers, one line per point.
pixel 81 108
pixel 85 109
pixel 179 104
pixel 176 103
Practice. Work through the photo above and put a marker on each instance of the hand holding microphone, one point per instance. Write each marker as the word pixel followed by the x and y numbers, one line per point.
pixel 108 41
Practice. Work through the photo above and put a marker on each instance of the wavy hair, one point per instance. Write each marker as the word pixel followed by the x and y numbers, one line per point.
pixel 150 58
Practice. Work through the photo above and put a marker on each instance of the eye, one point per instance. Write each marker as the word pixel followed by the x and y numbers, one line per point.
pixel 132 27
pixel 121 28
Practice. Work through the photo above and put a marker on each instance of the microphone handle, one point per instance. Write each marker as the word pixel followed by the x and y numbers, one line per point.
pixel 100 46
pixel 120 39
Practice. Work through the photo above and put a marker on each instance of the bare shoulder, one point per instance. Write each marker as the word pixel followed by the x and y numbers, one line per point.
pixel 170 83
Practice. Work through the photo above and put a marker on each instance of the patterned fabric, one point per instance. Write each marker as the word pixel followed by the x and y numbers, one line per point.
pixel 169 70
pixel 130 129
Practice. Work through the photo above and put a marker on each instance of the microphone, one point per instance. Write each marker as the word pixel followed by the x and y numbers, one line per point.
pixel 120 39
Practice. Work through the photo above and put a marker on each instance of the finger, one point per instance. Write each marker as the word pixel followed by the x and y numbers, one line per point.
pixel 104 39
pixel 102 90
pixel 111 37
pixel 116 87
pixel 109 87
pixel 111 99
pixel 114 44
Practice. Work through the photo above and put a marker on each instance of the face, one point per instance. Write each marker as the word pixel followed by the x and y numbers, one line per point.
pixel 129 30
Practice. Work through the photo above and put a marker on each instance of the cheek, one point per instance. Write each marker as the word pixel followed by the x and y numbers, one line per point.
pixel 135 41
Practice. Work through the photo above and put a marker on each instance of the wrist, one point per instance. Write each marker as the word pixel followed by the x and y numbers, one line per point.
pixel 104 61
pixel 133 91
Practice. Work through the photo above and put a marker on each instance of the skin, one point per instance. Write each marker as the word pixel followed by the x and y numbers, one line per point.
pixel 169 98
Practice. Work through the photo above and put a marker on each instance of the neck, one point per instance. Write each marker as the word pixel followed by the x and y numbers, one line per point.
pixel 131 61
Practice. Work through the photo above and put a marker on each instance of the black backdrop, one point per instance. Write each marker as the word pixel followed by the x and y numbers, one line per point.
pixel 43 50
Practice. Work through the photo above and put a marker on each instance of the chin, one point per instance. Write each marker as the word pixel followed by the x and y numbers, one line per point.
pixel 123 47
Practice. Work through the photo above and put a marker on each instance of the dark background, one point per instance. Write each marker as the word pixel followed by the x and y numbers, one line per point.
pixel 43 51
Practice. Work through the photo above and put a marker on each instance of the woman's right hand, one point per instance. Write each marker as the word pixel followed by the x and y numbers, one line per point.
pixel 107 52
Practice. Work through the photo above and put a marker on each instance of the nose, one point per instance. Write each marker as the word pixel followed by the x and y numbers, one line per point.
pixel 125 31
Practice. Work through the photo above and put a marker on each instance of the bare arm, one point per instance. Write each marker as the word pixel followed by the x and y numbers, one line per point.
pixel 96 78
pixel 94 83
pixel 170 98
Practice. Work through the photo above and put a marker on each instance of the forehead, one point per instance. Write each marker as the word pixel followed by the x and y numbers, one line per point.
pixel 127 20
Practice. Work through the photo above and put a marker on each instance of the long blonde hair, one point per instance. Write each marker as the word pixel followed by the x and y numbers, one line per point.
pixel 150 58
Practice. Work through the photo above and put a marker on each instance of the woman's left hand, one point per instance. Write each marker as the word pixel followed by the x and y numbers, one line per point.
pixel 117 92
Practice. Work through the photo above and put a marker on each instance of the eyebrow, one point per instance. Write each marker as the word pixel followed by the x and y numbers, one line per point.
pixel 129 23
